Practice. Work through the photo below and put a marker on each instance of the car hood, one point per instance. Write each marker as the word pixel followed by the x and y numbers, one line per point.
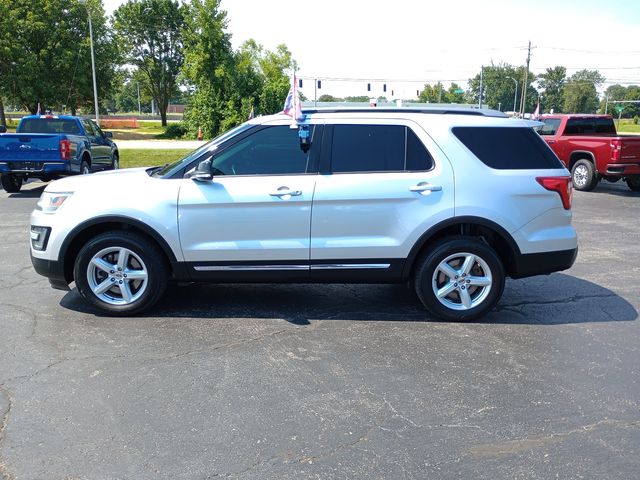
pixel 111 178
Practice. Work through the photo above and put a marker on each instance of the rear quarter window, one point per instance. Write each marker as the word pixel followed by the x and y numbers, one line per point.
pixel 507 148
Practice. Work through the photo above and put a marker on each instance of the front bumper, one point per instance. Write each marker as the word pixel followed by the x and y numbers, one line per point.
pixel 53 270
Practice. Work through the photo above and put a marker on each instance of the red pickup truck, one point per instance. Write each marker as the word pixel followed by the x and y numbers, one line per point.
pixel 591 149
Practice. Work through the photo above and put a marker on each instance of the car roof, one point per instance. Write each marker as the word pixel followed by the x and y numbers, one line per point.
pixel 56 117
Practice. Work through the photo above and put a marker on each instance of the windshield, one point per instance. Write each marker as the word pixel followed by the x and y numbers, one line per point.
pixel 170 167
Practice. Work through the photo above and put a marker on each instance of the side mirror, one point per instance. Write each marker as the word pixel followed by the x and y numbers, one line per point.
pixel 3 129
pixel 305 138
pixel 108 134
pixel 202 173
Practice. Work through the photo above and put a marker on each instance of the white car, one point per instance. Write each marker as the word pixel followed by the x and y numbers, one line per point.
pixel 451 201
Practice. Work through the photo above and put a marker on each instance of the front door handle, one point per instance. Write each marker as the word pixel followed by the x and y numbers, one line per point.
pixel 285 191
pixel 425 187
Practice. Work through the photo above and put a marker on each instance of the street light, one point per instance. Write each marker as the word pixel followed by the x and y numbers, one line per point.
pixel 93 64
pixel 515 95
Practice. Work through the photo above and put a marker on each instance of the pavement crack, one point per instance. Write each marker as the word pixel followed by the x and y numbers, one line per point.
pixel 575 298
pixel 236 343
pixel 4 472
pixel 529 443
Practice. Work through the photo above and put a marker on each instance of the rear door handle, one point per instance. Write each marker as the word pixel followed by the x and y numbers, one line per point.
pixel 425 187
pixel 284 191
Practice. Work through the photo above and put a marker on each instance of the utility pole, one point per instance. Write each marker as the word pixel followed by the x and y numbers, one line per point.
pixel 524 85
pixel 481 86
pixel 93 65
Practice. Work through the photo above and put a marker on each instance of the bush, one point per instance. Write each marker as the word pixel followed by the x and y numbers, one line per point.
pixel 636 119
pixel 174 130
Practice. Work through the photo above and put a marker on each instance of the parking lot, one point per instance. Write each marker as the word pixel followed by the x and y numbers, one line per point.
pixel 328 381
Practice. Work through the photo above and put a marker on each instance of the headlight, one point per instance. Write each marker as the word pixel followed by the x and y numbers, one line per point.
pixel 51 202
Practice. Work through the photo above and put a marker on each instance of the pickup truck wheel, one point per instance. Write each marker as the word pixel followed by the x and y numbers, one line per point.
pixel 460 278
pixel 11 183
pixel 584 176
pixel 84 168
pixel 120 273
pixel 633 183
pixel 115 162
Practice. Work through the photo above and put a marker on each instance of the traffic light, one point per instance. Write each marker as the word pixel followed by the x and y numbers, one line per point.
pixel 299 83
pixel 368 87
pixel 319 84
pixel 384 87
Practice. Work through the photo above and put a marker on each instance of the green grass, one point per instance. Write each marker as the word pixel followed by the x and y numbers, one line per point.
pixel 629 128
pixel 131 158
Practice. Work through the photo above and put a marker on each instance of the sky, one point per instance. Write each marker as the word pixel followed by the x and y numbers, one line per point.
pixel 407 43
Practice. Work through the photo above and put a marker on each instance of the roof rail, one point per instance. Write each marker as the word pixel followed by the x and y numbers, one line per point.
pixel 436 111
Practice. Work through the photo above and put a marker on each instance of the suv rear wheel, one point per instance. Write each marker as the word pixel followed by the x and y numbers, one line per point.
pixel 460 278
pixel 120 274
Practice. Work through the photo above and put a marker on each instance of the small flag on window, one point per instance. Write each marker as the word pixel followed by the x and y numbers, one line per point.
pixel 292 102
pixel 252 113
pixel 39 111
pixel 536 112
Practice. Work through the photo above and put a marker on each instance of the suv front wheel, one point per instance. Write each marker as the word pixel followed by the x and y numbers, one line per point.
pixel 460 278
pixel 120 274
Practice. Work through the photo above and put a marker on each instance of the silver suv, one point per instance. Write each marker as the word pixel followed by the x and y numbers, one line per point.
pixel 450 201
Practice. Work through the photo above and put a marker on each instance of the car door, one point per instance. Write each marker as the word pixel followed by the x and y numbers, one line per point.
pixel 379 188
pixel 255 214
pixel 103 147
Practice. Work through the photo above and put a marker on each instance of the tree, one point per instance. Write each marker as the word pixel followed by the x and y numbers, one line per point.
pixel 432 94
pixel 325 97
pixel 580 92
pixel 209 66
pixel 151 35
pixel 455 94
pixel 499 88
pixel 45 56
pixel 275 67
pixel 552 84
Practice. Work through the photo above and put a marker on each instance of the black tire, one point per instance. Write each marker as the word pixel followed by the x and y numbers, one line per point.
pixel 11 183
pixel 451 253
pixel 85 169
pixel 115 161
pixel 131 269
pixel 633 182
pixel 584 176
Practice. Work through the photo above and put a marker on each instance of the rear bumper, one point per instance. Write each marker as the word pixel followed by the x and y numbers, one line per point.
pixel 51 269
pixel 530 264
pixel 34 169
pixel 622 169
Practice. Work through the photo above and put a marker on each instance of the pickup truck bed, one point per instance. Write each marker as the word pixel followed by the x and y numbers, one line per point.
pixel 590 148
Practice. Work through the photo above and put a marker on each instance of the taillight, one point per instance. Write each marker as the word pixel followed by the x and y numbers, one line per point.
pixel 616 149
pixel 65 150
pixel 562 185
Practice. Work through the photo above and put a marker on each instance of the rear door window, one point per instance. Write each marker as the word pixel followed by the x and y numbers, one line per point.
pixel 377 148
pixel 507 148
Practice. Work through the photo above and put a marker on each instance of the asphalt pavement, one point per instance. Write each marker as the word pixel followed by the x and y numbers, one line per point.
pixel 328 381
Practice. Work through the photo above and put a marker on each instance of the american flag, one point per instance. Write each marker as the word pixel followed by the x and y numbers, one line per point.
pixel 292 102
